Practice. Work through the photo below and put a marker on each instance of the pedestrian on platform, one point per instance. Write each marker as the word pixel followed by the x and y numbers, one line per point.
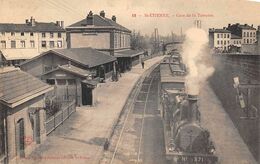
pixel 119 71
pixel 142 63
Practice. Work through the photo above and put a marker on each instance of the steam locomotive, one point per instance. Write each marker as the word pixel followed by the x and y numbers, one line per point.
pixel 186 141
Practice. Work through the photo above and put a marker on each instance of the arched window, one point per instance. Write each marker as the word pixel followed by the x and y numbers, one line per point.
pixel 20 138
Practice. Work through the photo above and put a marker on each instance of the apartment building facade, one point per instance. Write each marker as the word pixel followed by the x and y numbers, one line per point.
pixel 245 32
pixel 219 39
pixel 19 42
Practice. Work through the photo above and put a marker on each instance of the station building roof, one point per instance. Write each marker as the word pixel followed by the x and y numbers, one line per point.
pixel 70 69
pixel 128 53
pixel 13 54
pixel 87 57
pixel 17 87
pixel 98 22
pixel 38 27
pixel 167 75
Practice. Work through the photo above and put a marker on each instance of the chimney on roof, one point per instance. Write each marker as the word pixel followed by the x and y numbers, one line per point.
pixel 60 24
pixel 57 23
pixel 102 13
pixel 32 21
pixel 224 28
pixel 252 25
pixel 229 25
pixel 114 18
pixel 245 24
pixel 26 21
pixel 90 19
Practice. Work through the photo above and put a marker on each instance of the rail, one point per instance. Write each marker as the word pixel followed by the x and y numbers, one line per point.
pixel 128 108
pixel 56 120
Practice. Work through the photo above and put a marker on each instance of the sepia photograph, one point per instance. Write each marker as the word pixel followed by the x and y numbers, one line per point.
pixel 129 81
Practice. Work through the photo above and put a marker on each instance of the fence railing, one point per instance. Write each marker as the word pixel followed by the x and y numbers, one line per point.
pixel 54 121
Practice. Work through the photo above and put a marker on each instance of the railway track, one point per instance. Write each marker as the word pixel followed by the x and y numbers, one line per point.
pixel 126 144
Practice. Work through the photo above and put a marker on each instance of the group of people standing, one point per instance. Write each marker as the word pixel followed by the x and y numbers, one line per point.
pixel 117 70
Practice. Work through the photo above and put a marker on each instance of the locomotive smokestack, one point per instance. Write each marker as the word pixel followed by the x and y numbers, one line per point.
pixel 192 97
pixel 193 106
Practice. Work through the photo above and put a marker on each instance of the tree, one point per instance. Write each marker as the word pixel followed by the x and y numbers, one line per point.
pixel 138 41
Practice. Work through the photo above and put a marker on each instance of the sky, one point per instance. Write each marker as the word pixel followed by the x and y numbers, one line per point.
pixel 175 15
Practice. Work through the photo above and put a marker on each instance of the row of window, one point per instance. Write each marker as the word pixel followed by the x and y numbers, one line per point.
pixel 32 34
pixel 223 35
pixel 249 34
pixel 249 41
pixel 51 44
pixel 245 34
pixel 246 41
pixel 222 42
pixel 13 44
pixel 237 42
pixel 51 35
pixel 121 40
pixel 32 44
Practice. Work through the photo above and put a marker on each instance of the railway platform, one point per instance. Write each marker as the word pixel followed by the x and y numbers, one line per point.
pixel 81 138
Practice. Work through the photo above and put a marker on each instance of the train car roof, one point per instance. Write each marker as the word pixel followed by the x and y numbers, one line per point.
pixel 167 74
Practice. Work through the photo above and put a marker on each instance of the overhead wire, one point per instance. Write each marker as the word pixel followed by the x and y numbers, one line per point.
pixel 60 7
pixel 65 4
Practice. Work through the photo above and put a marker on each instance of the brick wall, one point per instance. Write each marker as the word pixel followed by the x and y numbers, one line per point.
pixel 95 40
pixel 21 112
pixel 246 67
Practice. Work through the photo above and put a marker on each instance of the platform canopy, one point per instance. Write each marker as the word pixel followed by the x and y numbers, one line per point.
pixel 24 54
pixel 128 53
pixel 90 83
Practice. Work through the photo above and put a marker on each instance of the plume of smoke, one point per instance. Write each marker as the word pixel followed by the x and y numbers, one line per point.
pixel 195 57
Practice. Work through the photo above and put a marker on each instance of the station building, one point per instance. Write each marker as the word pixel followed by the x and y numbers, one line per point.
pixel 74 72
pixel 22 107
pixel 104 34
